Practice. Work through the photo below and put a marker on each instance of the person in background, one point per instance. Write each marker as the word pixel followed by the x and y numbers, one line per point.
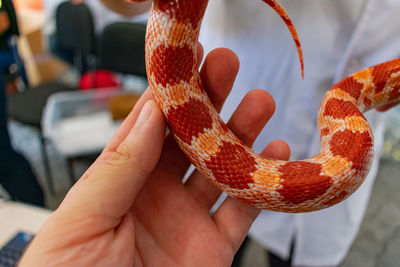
pixel 16 175
pixel 338 38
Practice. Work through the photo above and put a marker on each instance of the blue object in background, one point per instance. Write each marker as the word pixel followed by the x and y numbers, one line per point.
pixel 13 250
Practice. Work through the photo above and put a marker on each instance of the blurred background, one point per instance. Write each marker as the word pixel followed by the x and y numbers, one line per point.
pixel 72 84
pixel 73 81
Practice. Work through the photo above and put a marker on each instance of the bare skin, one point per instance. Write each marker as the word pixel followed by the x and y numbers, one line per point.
pixel 131 208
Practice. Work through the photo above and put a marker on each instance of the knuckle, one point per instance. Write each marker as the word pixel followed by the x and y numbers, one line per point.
pixel 121 157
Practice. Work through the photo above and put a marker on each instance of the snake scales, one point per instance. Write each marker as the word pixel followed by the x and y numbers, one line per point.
pixel 299 186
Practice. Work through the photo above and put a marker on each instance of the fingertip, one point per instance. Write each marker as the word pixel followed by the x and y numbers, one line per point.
pixel 227 57
pixel 252 114
pixel 149 114
pixel 277 149
pixel 264 100
pixel 218 74
pixel 200 52
pixel 146 135
pixel 158 114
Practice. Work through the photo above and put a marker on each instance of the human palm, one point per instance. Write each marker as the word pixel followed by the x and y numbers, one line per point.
pixel 131 207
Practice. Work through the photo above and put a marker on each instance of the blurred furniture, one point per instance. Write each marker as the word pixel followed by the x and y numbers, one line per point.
pixel 79 124
pixel 121 106
pixel 75 33
pixel 40 65
pixel 122 48
pixel 27 108
pixel 42 69
pixel 29 19
pixel 17 217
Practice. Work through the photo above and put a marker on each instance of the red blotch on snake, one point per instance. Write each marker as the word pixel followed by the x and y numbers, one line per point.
pixel 178 68
pixel 340 109
pixel 238 173
pixel 302 181
pixel 381 73
pixel 367 101
pixel 183 10
pixel 351 86
pixel 189 120
pixel 324 131
pixel 354 146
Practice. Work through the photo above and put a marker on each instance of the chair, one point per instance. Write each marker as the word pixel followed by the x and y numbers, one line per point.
pixel 75 33
pixel 122 48
pixel 27 108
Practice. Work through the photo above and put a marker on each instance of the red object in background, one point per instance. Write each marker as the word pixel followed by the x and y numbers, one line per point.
pixel 99 79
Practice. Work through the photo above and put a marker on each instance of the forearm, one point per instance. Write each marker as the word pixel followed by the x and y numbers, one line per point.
pixel 127 9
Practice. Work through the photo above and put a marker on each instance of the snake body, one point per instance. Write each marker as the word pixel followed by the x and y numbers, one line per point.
pixel 298 186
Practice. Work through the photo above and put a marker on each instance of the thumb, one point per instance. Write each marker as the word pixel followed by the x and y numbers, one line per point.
pixel 112 188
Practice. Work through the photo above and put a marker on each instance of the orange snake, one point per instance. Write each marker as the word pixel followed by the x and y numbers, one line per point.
pixel 299 186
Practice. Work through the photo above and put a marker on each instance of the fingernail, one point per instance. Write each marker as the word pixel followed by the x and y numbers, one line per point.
pixel 145 112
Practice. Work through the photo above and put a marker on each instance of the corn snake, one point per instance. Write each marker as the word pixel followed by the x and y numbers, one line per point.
pixel 299 186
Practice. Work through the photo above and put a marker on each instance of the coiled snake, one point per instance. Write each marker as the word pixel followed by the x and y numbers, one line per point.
pixel 299 186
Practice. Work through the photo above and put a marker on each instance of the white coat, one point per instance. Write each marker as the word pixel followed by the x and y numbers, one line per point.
pixel 338 38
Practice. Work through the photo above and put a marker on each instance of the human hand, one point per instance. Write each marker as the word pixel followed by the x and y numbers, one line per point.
pixel 131 207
